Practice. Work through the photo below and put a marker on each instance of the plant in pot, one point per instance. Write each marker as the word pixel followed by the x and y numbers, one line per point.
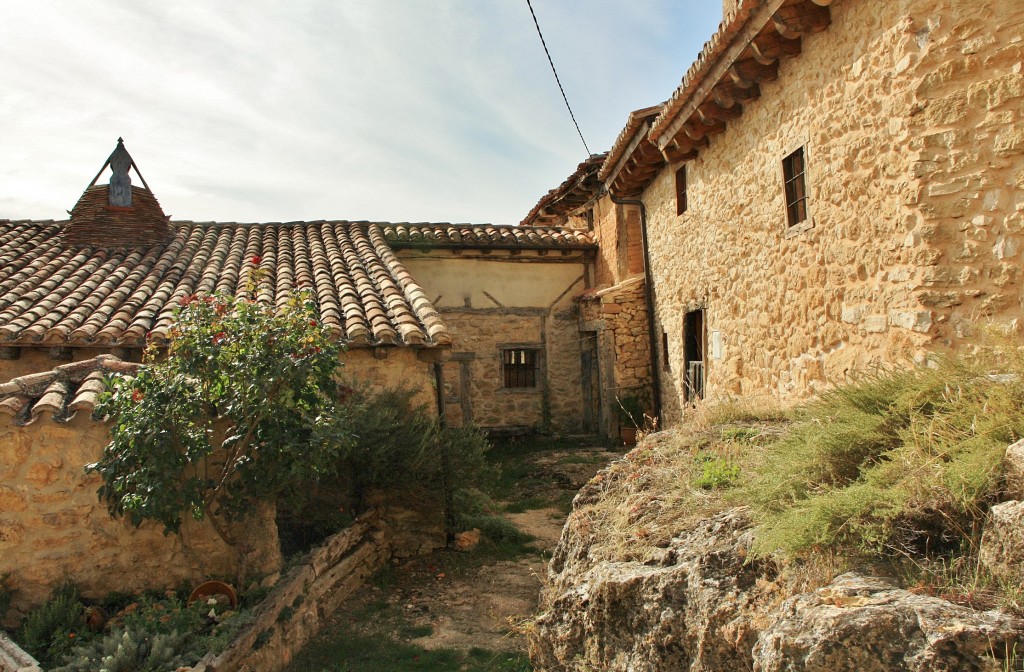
pixel 631 417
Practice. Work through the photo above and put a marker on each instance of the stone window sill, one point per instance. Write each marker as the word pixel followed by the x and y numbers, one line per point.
pixel 793 231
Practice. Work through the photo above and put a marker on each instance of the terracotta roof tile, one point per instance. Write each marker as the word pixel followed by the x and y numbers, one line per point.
pixel 574 192
pixel 406 235
pixel 53 292
pixel 61 392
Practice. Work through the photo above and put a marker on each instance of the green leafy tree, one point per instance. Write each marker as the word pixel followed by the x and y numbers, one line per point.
pixel 239 408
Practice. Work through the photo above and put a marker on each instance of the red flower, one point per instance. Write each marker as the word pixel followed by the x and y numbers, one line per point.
pixel 218 337
pixel 312 323
pixel 137 396
pixel 256 259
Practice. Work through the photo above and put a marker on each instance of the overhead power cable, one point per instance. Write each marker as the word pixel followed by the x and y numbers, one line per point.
pixel 555 72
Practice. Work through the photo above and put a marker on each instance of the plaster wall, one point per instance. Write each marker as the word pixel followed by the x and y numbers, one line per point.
pixel 497 280
pixel 493 303
pixel 909 113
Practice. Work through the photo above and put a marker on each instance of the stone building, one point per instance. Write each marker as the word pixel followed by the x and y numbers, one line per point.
pixel 414 304
pixel 478 320
pixel 835 185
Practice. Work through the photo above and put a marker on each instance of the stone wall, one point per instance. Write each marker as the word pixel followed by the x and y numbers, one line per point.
pixel 54 529
pixel 497 300
pixel 910 116
pixel 620 313
pixel 301 601
pixel 392 368
pixel 476 368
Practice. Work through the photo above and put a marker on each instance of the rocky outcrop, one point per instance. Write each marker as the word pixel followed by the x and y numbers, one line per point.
pixel 695 606
pixel 703 605
pixel 864 624
pixel 1002 547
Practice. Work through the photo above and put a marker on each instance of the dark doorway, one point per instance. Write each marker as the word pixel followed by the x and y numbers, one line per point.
pixel 591 382
pixel 693 350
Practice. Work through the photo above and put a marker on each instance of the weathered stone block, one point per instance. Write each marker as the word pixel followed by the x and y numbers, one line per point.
pixel 1013 464
pixel 918 320
pixel 1002 546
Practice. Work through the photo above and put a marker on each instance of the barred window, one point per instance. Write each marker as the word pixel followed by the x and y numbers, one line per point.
pixel 793 169
pixel 519 367
pixel 681 191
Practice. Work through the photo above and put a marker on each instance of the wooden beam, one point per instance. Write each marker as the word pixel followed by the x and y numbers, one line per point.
pixel 674 154
pixel 749 72
pixel 712 113
pixel 794 20
pixel 9 352
pixel 770 46
pixel 696 130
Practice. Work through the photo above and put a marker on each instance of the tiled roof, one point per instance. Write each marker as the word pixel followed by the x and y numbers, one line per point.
pixel 485 236
pixel 61 392
pixel 55 293
pixel 95 222
pixel 574 192
pixel 744 52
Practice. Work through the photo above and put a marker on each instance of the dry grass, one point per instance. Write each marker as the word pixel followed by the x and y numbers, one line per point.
pixel 894 473
pixel 670 482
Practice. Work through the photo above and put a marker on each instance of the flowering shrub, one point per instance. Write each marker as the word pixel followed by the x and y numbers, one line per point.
pixel 239 407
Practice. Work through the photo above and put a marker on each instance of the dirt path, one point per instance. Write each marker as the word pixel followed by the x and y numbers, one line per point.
pixel 482 608
pixel 457 603
pixel 465 606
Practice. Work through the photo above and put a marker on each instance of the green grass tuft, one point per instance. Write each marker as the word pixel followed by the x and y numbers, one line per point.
pixel 898 465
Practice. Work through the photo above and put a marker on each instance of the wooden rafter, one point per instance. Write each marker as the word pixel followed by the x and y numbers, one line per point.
pixel 800 18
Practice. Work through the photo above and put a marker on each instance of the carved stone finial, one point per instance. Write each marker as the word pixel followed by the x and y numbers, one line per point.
pixel 120 192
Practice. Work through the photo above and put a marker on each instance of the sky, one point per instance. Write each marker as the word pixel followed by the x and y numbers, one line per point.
pixel 273 110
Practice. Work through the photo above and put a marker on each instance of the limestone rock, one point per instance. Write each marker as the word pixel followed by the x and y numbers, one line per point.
pixel 702 605
pixel 1014 464
pixel 1002 547
pixel 691 610
pixel 864 624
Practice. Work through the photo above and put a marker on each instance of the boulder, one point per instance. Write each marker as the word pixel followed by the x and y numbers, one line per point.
pixel 694 608
pixel 1014 465
pixel 1002 546
pixel 864 624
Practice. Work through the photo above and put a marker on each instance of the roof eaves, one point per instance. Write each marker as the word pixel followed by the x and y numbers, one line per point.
pixel 585 172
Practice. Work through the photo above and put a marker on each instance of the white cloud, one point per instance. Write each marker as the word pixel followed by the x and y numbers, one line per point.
pixel 378 109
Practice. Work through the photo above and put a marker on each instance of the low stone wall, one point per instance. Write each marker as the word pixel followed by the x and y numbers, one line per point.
pixel 295 610
pixel 13 659
pixel 54 529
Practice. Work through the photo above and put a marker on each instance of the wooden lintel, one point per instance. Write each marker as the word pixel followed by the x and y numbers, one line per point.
pixel 770 46
pixel 749 72
pixel 792 21
pixel 9 352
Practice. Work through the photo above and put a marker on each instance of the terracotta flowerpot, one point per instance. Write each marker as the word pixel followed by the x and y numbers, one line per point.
pixel 210 588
